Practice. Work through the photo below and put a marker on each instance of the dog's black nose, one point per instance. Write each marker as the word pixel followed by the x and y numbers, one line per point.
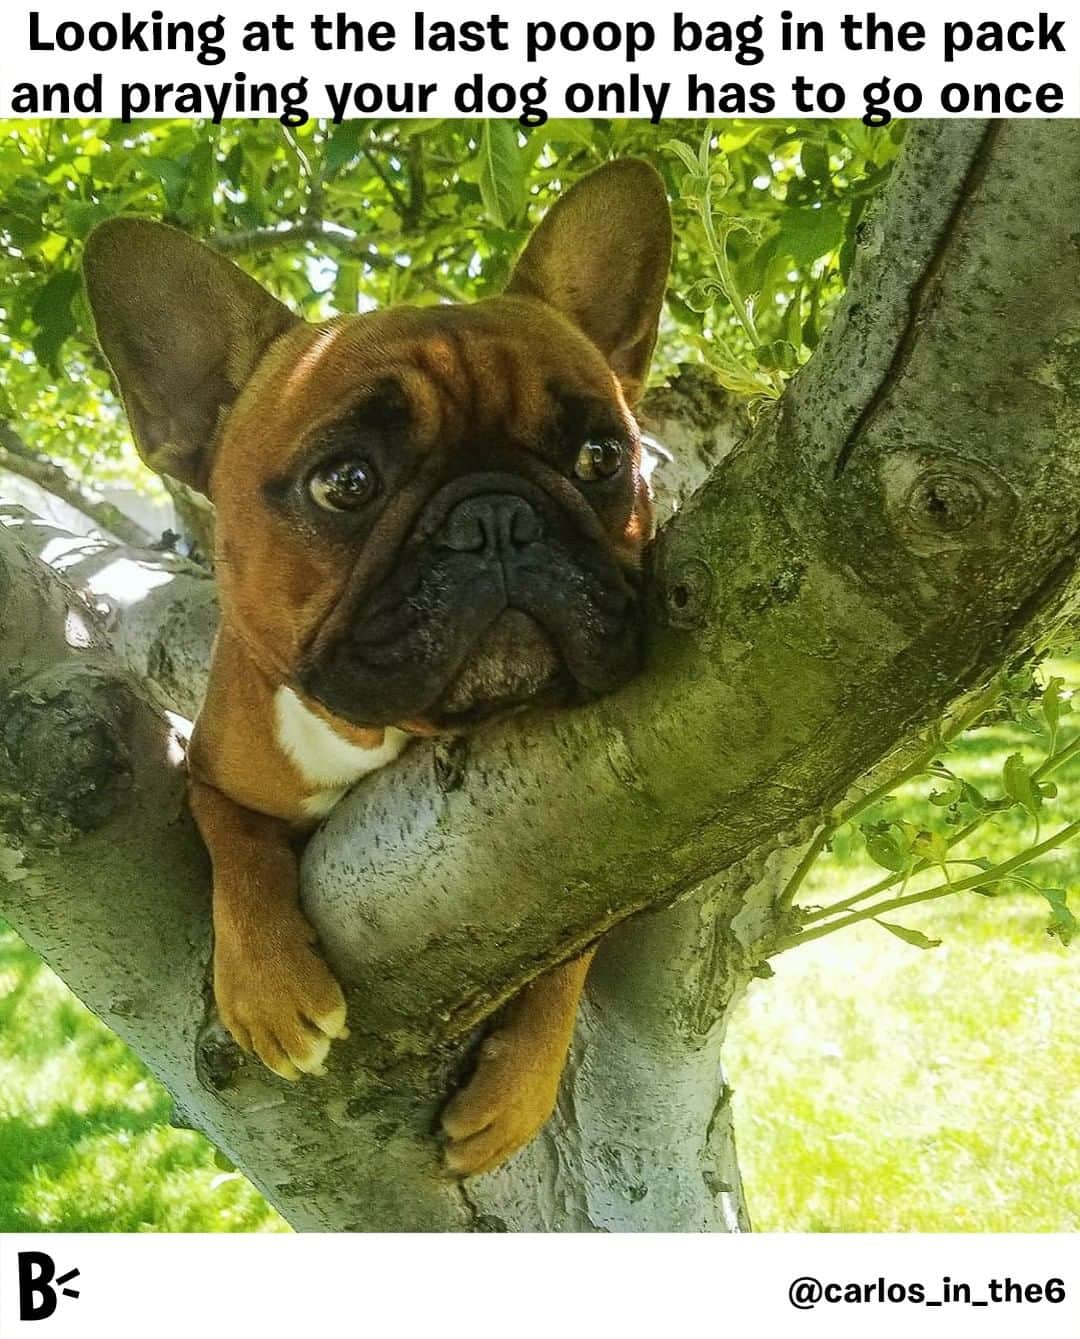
pixel 496 522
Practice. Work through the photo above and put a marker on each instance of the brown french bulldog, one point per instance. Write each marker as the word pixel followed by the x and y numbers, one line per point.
pixel 426 517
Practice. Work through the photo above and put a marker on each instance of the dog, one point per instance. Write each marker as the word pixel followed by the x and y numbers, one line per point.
pixel 427 517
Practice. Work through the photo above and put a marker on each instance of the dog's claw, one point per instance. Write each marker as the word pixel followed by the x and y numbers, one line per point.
pixel 333 1024
pixel 285 1007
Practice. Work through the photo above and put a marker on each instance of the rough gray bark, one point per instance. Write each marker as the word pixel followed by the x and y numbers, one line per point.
pixel 903 522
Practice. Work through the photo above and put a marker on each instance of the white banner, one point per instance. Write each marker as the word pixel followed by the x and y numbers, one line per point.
pixel 211 58
pixel 175 1287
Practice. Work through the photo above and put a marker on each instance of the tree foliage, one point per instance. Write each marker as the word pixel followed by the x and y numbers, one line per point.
pixel 336 219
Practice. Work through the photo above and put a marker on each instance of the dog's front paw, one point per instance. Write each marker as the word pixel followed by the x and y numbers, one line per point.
pixel 505 1103
pixel 279 1000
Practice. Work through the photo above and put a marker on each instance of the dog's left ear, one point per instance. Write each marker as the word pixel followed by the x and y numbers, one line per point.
pixel 601 257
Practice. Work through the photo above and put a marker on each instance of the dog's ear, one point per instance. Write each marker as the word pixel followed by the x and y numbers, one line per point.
pixel 183 330
pixel 601 257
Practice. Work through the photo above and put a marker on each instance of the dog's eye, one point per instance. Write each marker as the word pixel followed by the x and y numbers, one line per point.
pixel 343 485
pixel 598 460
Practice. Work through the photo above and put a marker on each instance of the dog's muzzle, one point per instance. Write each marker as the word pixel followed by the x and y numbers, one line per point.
pixel 498 599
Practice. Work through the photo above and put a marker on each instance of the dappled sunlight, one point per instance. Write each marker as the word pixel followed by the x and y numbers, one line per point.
pixel 77 635
pixel 62 550
pixel 85 1143
pixel 125 582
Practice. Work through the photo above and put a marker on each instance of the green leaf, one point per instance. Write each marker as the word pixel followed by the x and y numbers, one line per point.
pixel 55 320
pixel 705 148
pixel 1053 704
pixel 81 217
pixel 420 125
pixel 570 130
pixel 886 850
pixel 951 795
pixel 718 171
pixel 1062 923
pixel 233 166
pixel 172 177
pixel 931 846
pixel 347 287
pixel 737 137
pixel 806 234
pixel 685 155
pixel 814 160
pixel 502 172
pixel 973 796
pixel 779 354
pixel 704 295
pixel 344 144
pixel 201 177
pixel 915 938
pixel 793 320
pixel 1018 785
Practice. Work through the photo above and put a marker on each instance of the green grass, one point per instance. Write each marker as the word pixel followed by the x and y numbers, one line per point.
pixel 85 1144
pixel 885 1088
pixel 878 1087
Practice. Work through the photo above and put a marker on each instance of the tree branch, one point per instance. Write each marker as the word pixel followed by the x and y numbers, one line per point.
pixel 414 206
pixel 18 458
pixel 308 229
pixel 335 235
pixel 399 201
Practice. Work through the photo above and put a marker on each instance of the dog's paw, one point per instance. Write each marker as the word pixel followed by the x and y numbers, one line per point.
pixel 505 1103
pixel 281 1002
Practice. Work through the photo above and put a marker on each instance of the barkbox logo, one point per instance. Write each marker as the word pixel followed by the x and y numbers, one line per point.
pixel 39 1288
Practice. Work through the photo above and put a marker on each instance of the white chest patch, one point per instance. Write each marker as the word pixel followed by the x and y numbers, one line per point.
pixel 327 763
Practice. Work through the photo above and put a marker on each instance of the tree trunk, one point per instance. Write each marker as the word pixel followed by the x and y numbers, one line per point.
pixel 898 527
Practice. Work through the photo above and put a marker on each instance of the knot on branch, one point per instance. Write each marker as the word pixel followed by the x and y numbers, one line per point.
pixel 942 503
pixel 217 1057
pixel 450 761
pixel 686 589
pixel 227 1074
pixel 65 767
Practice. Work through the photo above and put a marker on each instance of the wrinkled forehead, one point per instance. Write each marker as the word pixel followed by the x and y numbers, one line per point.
pixel 507 365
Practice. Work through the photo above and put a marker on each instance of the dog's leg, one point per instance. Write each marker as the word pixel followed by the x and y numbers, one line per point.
pixel 513 1090
pixel 274 993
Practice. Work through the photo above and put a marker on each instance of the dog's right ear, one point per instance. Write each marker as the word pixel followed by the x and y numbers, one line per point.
pixel 183 330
